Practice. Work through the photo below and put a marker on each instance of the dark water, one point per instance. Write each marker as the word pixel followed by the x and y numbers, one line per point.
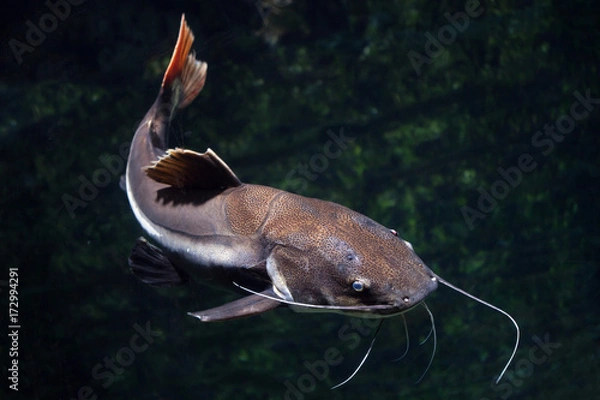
pixel 474 133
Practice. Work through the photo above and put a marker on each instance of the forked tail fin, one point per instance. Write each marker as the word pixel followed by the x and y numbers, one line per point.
pixel 184 72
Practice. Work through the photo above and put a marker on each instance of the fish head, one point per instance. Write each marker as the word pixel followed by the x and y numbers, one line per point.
pixel 348 263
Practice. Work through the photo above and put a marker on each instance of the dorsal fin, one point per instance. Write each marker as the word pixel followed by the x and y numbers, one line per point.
pixel 189 169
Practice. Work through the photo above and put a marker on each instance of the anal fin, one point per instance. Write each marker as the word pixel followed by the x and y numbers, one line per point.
pixel 151 266
pixel 244 307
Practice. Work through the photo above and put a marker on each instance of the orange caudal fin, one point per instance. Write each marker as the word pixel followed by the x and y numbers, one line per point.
pixel 184 69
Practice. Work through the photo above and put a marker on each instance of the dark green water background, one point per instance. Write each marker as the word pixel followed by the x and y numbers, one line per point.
pixel 491 118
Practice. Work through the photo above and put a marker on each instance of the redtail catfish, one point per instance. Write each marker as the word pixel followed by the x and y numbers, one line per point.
pixel 281 247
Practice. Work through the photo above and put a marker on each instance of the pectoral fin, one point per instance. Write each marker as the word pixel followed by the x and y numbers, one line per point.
pixel 189 169
pixel 244 307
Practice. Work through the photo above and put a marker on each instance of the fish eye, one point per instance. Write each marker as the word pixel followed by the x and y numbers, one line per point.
pixel 358 286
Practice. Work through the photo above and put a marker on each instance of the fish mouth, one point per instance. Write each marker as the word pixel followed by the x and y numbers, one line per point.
pixel 373 311
pixel 393 310
pixel 363 311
